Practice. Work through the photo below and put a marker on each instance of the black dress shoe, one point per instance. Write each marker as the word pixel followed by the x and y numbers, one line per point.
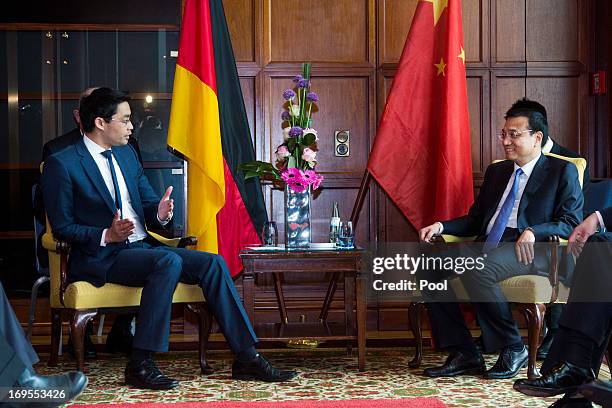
pixel 508 364
pixel 568 402
pixel 545 346
pixel 458 363
pixel 260 369
pixel 146 375
pixel 562 379
pixel 71 384
pixel 119 342
pixel 600 392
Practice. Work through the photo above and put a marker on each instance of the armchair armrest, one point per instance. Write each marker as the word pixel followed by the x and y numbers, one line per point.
pixel 182 242
pixel 62 248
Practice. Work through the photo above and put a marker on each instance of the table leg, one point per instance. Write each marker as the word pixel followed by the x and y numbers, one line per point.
pixel 280 298
pixel 361 321
pixel 349 301
pixel 331 291
pixel 248 286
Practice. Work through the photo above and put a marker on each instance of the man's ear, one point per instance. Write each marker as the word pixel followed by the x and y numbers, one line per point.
pixel 100 123
pixel 539 135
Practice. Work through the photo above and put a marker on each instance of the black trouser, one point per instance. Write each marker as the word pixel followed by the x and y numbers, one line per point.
pixel 493 311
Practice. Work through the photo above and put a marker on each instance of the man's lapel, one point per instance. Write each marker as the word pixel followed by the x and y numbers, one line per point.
pixel 500 183
pixel 127 169
pixel 92 171
pixel 533 184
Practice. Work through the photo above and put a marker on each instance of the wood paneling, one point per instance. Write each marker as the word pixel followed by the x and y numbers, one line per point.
pixel 509 30
pixel 248 93
pixel 473 40
pixel 475 91
pixel 552 30
pixel 343 105
pixel 505 91
pixel 241 22
pixel 560 96
pixel 394 19
pixel 318 30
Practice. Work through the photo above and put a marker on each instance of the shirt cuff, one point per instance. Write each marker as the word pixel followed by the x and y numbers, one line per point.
pixel 103 239
pixel 441 228
pixel 602 226
pixel 163 223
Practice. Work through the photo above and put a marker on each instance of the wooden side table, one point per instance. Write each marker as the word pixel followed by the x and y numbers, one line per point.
pixel 346 263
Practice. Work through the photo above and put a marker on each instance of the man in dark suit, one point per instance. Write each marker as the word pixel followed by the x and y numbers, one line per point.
pixel 523 200
pixel 16 360
pixel 553 312
pixel 102 203
pixel 584 329
pixel 119 339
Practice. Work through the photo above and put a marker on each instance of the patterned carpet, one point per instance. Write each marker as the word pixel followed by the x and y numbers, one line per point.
pixel 324 374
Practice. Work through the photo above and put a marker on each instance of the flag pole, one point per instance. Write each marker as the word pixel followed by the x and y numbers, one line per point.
pixel 361 194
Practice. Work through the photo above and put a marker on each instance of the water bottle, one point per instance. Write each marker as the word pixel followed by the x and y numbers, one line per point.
pixel 334 224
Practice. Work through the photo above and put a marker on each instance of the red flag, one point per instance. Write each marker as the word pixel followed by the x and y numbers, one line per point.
pixel 421 154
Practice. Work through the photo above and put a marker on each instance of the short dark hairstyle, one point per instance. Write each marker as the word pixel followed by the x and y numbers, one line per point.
pixel 535 112
pixel 101 103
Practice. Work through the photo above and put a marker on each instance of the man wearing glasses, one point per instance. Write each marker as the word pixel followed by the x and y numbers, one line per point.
pixel 98 199
pixel 523 199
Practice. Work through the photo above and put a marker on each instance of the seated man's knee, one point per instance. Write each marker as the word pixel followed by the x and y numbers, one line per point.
pixel 172 264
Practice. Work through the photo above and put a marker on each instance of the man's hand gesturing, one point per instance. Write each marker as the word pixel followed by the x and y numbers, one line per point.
pixel 166 206
pixel 119 230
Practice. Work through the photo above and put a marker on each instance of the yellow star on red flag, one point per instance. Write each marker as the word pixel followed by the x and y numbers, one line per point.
pixel 438 8
pixel 441 66
pixel 461 55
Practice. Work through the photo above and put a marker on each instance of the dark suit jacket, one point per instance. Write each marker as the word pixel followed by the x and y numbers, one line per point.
pixel 606 214
pixel 80 207
pixel 558 149
pixel 551 203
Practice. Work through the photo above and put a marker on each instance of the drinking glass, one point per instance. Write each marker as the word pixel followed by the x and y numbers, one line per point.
pixel 346 235
pixel 269 234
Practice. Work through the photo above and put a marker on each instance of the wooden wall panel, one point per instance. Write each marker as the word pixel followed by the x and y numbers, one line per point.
pixel 241 22
pixel 474 90
pixel 472 13
pixel 506 91
pixel 552 30
pixel 509 30
pixel 561 98
pixel 394 20
pixel 247 85
pixel 318 30
pixel 343 105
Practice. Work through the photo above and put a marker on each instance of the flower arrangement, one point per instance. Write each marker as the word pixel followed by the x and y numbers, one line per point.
pixel 296 157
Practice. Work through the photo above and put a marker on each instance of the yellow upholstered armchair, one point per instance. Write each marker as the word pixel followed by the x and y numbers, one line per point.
pixel 530 293
pixel 79 302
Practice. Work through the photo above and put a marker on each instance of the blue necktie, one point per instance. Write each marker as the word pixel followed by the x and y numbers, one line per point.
pixel 109 156
pixel 504 215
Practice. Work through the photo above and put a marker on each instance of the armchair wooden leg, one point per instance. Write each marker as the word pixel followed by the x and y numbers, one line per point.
pixel 415 310
pixel 534 314
pixel 56 331
pixel 78 324
pixel 204 320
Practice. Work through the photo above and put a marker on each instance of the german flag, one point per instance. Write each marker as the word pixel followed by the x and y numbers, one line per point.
pixel 209 127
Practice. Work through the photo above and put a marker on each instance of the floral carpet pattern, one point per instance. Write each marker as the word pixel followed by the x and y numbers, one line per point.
pixel 324 374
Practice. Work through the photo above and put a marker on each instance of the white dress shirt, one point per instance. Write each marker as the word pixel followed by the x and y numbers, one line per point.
pixel 527 170
pixel 126 202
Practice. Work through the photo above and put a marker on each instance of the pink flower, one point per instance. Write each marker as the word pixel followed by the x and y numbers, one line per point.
pixel 309 155
pixel 297 185
pixel 282 152
pixel 292 174
pixel 310 176
pixel 317 182
pixel 312 131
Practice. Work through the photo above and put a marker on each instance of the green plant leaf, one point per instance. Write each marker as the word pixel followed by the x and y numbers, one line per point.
pixel 309 139
pixel 291 163
pixel 291 144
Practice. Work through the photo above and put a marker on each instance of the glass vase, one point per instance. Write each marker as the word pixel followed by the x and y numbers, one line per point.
pixel 297 218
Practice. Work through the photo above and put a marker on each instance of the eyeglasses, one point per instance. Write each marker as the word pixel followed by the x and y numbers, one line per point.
pixel 125 121
pixel 512 134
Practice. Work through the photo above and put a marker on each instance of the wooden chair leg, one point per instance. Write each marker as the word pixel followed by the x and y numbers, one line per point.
pixel 415 310
pixel 78 324
pixel 204 320
pixel 534 314
pixel 56 331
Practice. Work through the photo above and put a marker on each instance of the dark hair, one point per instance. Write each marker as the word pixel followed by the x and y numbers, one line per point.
pixel 535 112
pixel 101 103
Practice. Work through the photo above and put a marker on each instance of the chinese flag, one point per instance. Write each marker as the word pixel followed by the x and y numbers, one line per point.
pixel 421 154
pixel 208 125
